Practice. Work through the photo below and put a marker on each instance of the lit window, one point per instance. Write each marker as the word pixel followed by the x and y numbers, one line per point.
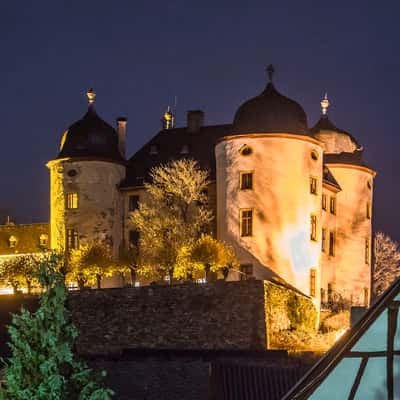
pixel 368 210
pixel 313 185
pixel 366 297
pixel 43 240
pixel 324 202
pixel 246 271
pixel 72 200
pixel 367 251
pixel 246 222
pixel 332 205
pixel 332 243
pixel 133 203
pixel 12 241
pixel 72 239
pixel 313 276
pixel 323 240
pixel 246 180
pixel 313 230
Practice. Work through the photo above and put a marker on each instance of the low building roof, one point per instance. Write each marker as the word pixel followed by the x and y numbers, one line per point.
pixel 27 238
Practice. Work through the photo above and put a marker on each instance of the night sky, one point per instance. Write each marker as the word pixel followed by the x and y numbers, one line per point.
pixel 212 55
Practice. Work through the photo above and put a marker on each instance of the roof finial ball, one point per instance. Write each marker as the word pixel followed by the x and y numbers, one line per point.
pixel 270 70
pixel 325 104
pixel 91 95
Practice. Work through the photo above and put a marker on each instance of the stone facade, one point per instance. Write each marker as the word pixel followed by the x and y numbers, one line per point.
pixel 218 315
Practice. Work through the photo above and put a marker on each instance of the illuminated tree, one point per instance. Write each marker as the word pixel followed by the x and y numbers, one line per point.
pixel 129 261
pixel 386 262
pixel 172 214
pixel 19 272
pixel 42 365
pixel 90 264
pixel 205 255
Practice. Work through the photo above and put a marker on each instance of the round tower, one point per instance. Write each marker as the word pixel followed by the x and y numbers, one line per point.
pixel 269 180
pixel 85 204
pixel 349 226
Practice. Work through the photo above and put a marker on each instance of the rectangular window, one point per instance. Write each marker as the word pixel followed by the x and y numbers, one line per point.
pixel 246 222
pixel 324 202
pixel 72 239
pixel 134 238
pixel 366 297
pixel 313 185
pixel 133 202
pixel 323 240
pixel 332 205
pixel 72 200
pixel 368 210
pixel 246 181
pixel 313 228
pixel 332 244
pixel 367 251
pixel 330 292
pixel 313 278
pixel 246 271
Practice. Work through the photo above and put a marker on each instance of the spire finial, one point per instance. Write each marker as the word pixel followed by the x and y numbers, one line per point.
pixel 325 104
pixel 270 70
pixel 91 95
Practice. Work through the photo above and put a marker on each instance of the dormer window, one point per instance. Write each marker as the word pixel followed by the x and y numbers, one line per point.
pixel 43 240
pixel 12 241
pixel 153 149
pixel 185 149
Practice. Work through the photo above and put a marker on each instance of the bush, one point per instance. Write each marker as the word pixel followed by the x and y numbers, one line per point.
pixel 287 309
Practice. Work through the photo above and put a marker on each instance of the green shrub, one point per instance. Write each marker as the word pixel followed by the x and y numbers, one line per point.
pixel 288 309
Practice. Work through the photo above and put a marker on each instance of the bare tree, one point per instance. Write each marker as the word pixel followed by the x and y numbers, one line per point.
pixel 386 263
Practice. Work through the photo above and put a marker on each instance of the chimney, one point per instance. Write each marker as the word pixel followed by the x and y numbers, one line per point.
pixel 195 120
pixel 121 129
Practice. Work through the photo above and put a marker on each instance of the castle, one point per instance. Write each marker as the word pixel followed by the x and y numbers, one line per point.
pixel 294 202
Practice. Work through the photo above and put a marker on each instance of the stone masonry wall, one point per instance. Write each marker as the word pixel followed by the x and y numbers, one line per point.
pixel 218 315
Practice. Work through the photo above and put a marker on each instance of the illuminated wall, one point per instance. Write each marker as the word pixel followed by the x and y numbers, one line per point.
pixel 282 204
pixel 99 212
pixel 353 230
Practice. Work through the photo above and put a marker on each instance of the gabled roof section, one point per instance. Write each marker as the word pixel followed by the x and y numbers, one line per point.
pixel 170 144
pixel 27 238
pixel 330 180
pixel 365 363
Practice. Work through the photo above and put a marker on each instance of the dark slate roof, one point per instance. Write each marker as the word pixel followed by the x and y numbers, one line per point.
pixel 90 137
pixel 169 144
pixel 317 375
pixel 252 382
pixel 270 112
pixel 325 124
pixel 27 238
pixel 354 158
pixel 330 179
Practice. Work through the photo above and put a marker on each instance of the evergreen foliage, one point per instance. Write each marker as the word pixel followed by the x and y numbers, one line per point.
pixel 43 366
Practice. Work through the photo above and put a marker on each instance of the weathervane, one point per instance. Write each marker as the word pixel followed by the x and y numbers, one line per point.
pixel 270 70
pixel 325 104
pixel 91 95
